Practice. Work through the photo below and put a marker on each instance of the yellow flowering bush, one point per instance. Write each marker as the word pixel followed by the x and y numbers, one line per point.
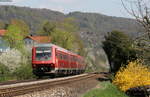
pixel 133 75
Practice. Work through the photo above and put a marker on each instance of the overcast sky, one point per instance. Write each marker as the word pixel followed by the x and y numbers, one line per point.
pixel 107 7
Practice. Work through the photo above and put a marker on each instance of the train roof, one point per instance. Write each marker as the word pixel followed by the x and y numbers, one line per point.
pixel 44 45
pixel 58 47
pixel 50 45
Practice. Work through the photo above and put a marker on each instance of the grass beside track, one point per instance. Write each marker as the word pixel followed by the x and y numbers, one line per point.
pixel 105 89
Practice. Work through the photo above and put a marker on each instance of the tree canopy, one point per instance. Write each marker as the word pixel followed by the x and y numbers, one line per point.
pixel 119 49
pixel 22 26
pixel 63 33
pixel 2 25
pixel 14 37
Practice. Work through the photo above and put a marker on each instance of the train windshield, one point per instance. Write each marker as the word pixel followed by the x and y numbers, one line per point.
pixel 43 53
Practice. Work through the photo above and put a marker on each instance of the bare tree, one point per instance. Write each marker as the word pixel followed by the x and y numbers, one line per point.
pixel 140 10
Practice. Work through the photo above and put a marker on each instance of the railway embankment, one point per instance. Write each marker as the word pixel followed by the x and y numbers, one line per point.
pixel 60 87
pixel 75 89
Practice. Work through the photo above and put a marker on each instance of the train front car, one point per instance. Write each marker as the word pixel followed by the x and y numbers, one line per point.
pixel 50 59
pixel 43 62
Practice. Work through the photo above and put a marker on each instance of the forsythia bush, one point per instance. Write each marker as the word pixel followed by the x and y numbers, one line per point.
pixel 133 75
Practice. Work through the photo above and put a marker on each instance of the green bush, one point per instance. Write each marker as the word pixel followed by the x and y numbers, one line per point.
pixel 4 73
pixel 24 72
pixel 106 90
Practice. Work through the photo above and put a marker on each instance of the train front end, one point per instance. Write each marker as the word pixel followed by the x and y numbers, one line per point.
pixel 43 60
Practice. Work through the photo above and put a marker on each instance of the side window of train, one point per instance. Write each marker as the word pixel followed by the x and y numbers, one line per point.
pixel 70 58
pixel 74 59
pixel 62 56
pixel 79 60
pixel 59 55
pixel 56 54
pixel 65 57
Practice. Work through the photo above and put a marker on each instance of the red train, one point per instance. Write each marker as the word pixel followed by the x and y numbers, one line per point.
pixel 50 59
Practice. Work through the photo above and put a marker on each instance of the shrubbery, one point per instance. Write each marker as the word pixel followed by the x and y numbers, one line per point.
pixel 14 65
pixel 24 72
pixel 4 72
pixel 11 59
pixel 133 75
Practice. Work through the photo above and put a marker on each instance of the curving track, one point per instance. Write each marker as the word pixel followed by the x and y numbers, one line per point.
pixel 27 87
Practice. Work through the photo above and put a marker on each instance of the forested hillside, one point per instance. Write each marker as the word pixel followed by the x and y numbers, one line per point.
pixel 33 17
pixel 92 26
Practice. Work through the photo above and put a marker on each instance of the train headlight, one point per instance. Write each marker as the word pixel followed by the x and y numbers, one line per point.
pixel 34 65
pixel 52 65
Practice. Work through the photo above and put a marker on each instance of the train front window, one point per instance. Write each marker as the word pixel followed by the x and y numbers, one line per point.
pixel 43 53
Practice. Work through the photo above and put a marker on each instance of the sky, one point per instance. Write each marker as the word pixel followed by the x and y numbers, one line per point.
pixel 107 7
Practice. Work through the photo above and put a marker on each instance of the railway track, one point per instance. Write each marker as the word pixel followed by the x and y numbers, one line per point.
pixel 16 81
pixel 27 87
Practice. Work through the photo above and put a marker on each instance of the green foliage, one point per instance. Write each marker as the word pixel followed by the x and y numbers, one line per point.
pixel 119 49
pixel 3 70
pixel 14 37
pixel 106 90
pixel 63 34
pixel 63 39
pixel 21 73
pixel 24 72
pixel 4 73
pixel 48 28
pixel 2 25
pixel 22 26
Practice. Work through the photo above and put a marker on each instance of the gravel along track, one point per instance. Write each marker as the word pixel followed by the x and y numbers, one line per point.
pixel 59 87
pixel 75 89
